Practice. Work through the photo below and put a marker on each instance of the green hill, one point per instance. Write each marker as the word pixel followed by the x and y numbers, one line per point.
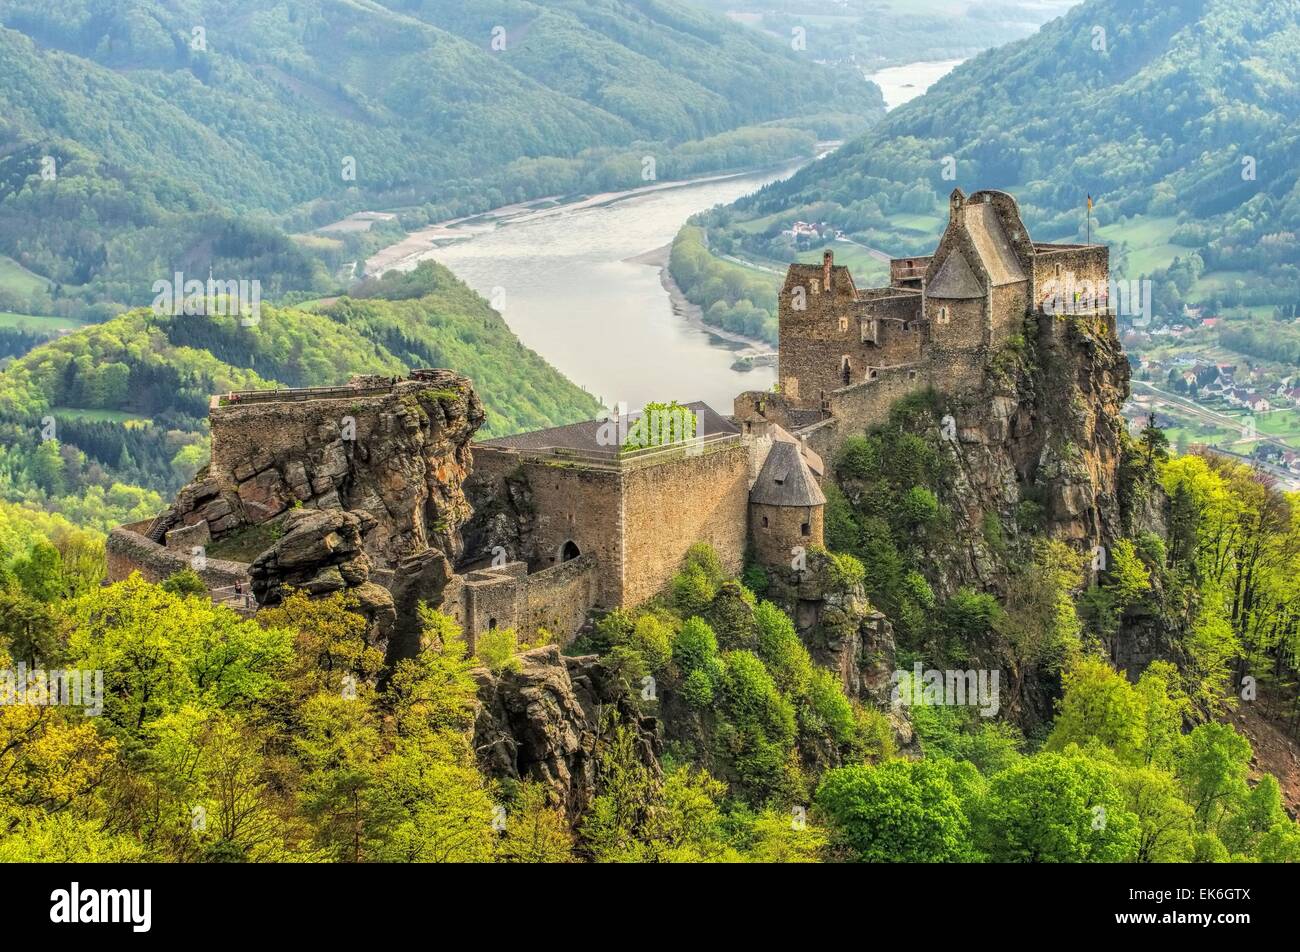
pixel 196 134
pixel 126 401
pixel 1181 119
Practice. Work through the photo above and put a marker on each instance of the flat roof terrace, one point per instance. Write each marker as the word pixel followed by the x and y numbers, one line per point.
pixel 582 444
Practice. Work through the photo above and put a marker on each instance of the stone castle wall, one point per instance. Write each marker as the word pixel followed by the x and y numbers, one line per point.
pixel 957 328
pixel 1057 267
pixel 556 599
pixel 129 550
pixel 637 520
pixel 815 330
pixel 669 507
pixel 776 532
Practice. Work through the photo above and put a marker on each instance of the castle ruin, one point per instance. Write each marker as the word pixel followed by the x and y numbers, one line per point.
pixel 539 529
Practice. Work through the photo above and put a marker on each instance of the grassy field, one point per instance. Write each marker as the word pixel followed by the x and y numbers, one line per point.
pixel 1146 240
pixel 920 224
pixel 17 278
pixel 103 416
pixel 38 322
pixel 1280 424
pixel 1219 281
pixel 867 271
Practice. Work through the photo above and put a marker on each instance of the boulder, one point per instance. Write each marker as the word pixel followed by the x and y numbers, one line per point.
pixel 544 721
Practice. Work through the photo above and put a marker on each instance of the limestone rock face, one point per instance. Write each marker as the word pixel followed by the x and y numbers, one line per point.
pixel 543 723
pixel 398 452
pixel 843 632
pixel 1047 431
pixel 322 552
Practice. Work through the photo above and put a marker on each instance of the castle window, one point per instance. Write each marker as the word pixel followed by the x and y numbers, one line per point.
pixel 874 374
pixel 911 375
pixel 805 529
pixel 569 551
pixel 765 522
pixel 907 325
pixel 492 624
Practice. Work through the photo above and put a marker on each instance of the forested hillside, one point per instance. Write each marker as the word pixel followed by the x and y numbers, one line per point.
pixel 197 134
pixel 1178 118
pixel 124 404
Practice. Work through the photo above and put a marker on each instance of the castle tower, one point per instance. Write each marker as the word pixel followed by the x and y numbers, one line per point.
pixel 786 507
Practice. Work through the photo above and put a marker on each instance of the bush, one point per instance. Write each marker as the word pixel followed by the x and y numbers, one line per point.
pixel 495 650
pixel 694 646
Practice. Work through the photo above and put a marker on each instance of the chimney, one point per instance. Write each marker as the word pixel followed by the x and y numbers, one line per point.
pixel 957 205
pixel 828 259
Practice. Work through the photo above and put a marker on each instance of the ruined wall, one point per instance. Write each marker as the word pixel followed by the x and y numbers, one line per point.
pixel 856 409
pixel 908 272
pixel 957 328
pixel 581 506
pixel 1010 308
pixel 669 507
pixel 1060 268
pixel 559 598
pixel 129 551
pixel 813 339
pixel 892 331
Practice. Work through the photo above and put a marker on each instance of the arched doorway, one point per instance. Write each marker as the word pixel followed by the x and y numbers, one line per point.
pixel 569 551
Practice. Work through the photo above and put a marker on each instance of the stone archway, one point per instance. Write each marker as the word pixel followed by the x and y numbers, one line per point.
pixel 569 551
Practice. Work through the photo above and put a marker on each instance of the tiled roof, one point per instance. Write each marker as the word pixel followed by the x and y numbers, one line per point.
pixel 994 247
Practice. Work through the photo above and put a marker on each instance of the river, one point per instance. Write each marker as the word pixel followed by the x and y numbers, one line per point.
pixel 900 84
pixel 580 283
pixel 565 281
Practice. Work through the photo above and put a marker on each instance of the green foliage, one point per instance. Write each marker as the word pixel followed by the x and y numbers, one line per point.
pixel 1211 766
pixel 661 424
pixel 185 583
pixel 1057 808
pixel 695 647
pixel 536 832
pixel 496 650
pixel 899 811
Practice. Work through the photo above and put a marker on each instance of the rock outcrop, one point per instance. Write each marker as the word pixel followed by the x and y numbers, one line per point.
pixel 844 633
pixel 322 551
pixel 543 722
pixel 397 451
pixel 1045 430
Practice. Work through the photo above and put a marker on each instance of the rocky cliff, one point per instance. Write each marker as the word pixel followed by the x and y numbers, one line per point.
pixel 543 722
pixel 1038 448
pixel 1034 451
pixel 396 452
